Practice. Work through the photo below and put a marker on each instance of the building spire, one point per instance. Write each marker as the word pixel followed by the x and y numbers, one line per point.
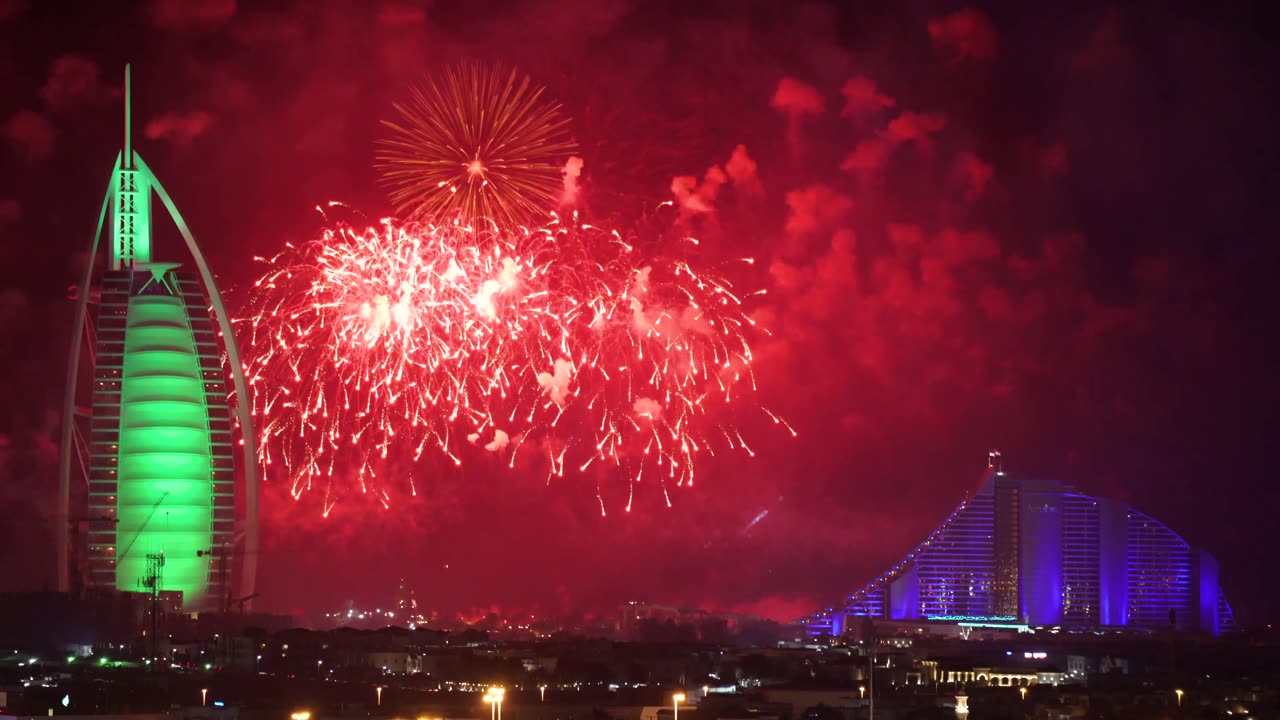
pixel 131 198
pixel 128 151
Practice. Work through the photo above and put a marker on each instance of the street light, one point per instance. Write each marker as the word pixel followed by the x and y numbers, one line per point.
pixel 862 691
pixel 379 689
pixel 1179 694
pixel 204 696
pixel 542 692
pixel 494 696
pixel 676 700
pixel 1023 692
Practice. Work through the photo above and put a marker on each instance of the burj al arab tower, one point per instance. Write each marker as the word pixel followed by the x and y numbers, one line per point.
pixel 158 474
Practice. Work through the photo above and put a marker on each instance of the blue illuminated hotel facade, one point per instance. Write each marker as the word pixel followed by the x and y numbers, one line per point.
pixel 1037 553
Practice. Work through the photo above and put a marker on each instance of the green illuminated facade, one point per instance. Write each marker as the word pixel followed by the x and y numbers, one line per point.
pixel 165 448
pixel 170 478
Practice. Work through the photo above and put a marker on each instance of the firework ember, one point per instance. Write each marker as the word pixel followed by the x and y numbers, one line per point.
pixel 567 347
pixel 477 142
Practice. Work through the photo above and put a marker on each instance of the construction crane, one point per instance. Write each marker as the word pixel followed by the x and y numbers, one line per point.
pixel 240 602
pixel 143 527
pixel 225 554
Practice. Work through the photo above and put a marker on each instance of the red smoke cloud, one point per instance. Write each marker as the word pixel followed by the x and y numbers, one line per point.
pixel 813 209
pixel 188 14
pixel 974 174
pixel 694 198
pixel 861 98
pixel 179 128
pixel 911 126
pixel 742 171
pixel 72 79
pixel 30 132
pixel 796 100
pixel 570 173
pixel 870 156
pixel 965 35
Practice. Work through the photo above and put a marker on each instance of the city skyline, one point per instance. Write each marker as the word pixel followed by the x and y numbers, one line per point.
pixel 970 228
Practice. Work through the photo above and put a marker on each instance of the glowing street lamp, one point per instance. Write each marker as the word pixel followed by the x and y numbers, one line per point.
pixel 497 693
pixel 862 692
pixel 542 692
pixel 379 689
pixel 1023 692
pixel 204 696
pixel 1179 694
pixel 675 704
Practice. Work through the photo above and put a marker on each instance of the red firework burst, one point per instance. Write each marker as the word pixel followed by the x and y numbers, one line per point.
pixel 369 346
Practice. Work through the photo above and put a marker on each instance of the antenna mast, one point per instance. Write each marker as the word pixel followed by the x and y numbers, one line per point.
pixel 128 151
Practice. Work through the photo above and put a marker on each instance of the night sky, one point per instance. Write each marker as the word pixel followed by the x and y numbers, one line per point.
pixel 1044 229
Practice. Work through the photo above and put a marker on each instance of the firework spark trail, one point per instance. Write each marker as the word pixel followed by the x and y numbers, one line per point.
pixel 369 346
pixel 476 142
